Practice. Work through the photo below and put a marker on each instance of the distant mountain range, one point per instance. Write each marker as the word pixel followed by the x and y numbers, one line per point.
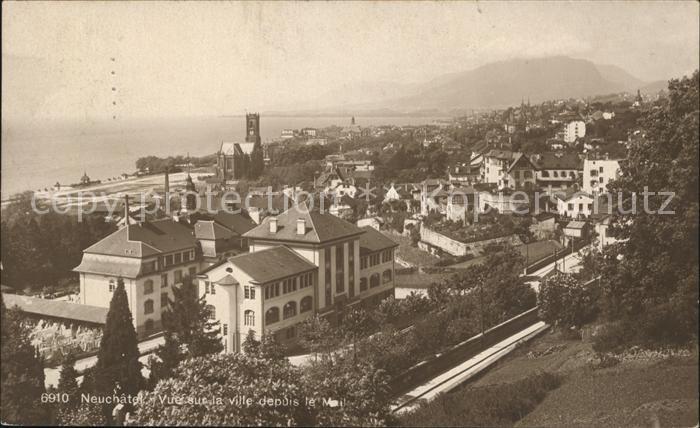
pixel 493 85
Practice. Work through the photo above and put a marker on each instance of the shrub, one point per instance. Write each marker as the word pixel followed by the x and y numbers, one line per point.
pixel 610 338
pixel 565 302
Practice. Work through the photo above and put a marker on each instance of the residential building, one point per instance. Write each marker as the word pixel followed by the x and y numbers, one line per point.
pixel 301 263
pixel 150 257
pixel 269 292
pixel 557 170
pixel 574 130
pixel 520 174
pixel 330 243
pixel 598 172
pixel 574 204
pixel 508 169
pixel 221 236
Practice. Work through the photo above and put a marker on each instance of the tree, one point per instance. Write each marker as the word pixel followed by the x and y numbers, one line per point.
pixel 187 324
pixel 317 335
pixel 251 346
pixel 68 384
pixel 357 324
pixel 229 378
pixel 361 389
pixel 21 373
pixel 257 162
pixel 654 287
pixel 270 348
pixel 118 370
pixel 565 302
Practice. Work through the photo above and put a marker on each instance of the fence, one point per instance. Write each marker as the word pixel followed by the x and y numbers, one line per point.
pixel 437 364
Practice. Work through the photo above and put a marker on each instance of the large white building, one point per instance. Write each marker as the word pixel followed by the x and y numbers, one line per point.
pixel 574 130
pixel 300 263
pixel 508 170
pixel 597 174
pixel 153 256
pixel 150 258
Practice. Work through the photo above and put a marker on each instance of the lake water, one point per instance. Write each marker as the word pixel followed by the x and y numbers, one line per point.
pixel 35 157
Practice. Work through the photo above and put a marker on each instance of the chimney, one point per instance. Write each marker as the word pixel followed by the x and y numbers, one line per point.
pixel 273 224
pixel 301 226
pixel 167 182
pixel 126 210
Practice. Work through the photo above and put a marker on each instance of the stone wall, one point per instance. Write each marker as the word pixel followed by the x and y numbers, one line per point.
pixel 430 239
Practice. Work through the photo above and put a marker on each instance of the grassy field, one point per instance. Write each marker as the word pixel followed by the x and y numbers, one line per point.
pixel 640 392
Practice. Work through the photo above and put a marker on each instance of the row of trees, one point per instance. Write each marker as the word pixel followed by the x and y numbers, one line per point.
pixel 40 250
pixel 458 308
pixel 155 164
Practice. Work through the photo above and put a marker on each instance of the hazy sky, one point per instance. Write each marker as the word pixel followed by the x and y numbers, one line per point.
pixel 220 58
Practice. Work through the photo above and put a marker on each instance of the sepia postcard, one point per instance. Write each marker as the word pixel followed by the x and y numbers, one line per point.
pixel 368 213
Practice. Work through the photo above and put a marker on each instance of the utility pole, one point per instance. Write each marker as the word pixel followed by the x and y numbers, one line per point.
pixel 481 304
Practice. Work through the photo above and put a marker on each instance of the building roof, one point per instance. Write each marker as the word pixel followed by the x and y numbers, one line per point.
pixel 501 154
pixel 272 264
pixel 373 240
pixel 521 160
pixel 209 229
pixel 125 267
pixel 238 223
pixel 319 227
pixel 222 225
pixel 435 182
pixel 576 225
pixel 571 193
pixel 145 239
pixel 557 160
pixel 56 308
pixel 232 148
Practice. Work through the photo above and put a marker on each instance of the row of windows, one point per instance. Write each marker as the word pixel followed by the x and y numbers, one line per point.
pixel 177 258
pixel 556 174
pixel 374 259
pixel 148 285
pixel 580 207
pixel 289 310
pixel 289 285
pixel 374 280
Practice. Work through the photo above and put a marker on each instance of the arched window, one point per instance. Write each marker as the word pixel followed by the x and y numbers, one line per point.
pixel 555 174
pixel 272 315
pixel 306 303
pixel 363 284
pixel 374 280
pixel 148 306
pixel 249 318
pixel 149 325
pixel 572 174
pixel 148 286
pixel 290 310
pixel 386 276
pixel 545 174
pixel 211 311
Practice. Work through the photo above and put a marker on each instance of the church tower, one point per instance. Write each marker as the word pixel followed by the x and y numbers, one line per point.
pixel 252 128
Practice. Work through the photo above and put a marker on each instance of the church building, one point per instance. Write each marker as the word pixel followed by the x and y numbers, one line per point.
pixel 233 158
